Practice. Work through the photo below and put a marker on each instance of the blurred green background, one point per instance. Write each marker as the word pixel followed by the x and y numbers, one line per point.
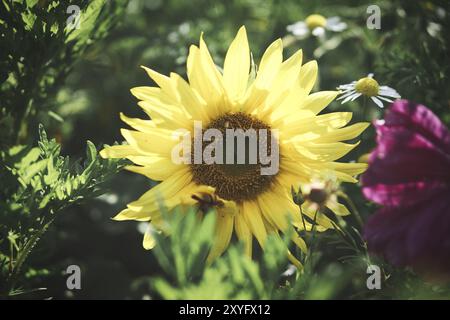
pixel 405 54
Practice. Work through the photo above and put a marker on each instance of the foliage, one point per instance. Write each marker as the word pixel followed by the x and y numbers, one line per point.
pixel 414 49
pixel 183 256
pixel 41 183
pixel 38 50
pixel 76 81
pixel 235 276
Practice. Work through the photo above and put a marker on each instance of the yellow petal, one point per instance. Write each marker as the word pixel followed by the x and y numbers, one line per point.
pixel 324 151
pixel 163 82
pixel 344 134
pixel 270 65
pixel 149 242
pixel 190 99
pixel 237 66
pixel 299 242
pixel 169 192
pixel 252 216
pixel 334 120
pixel 307 126
pixel 138 124
pixel 316 102
pixel 308 76
pixel 159 141
pixel 346 171
pixel 199 79
pixel 164 116
pixel 122 151
pixel 349 168
pixel 146 93
pixel 318 217
pixel 278 208
pixel 128 214
pixel 243 233
pixel 223 233
pixel 160 169
pixel 268 70
pixel 286 77
pixel 294 260
pixel 338 208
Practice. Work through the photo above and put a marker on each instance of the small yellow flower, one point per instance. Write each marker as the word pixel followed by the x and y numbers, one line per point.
pixel 315 20
pixel 316 24
pixel 367 87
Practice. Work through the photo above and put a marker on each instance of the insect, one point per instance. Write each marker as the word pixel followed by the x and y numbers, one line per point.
pixel 207 201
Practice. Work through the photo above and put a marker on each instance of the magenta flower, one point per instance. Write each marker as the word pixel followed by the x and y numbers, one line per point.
pixel 409 176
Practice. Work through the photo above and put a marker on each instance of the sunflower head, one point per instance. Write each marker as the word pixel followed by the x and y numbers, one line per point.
pixel 367 86
pixel 233 179
pixel 244 143
pixel 315 20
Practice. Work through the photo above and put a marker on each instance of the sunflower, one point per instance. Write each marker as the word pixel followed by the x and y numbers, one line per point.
pixel 246 202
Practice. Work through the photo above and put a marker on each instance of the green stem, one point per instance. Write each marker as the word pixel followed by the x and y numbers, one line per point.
pixel 23 254
pixel 352 208
pixel 311 249
pixel 365 113
pixel 11 257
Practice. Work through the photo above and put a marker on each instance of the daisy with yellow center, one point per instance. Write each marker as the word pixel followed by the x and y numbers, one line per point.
pixel 316 24
pixel 246 202
pixel 367 87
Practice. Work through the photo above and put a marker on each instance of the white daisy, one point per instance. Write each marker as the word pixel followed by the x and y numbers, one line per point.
pixel 368 87
pixel 316 24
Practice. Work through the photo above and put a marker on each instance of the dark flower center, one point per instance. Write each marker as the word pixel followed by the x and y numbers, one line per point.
pixel 236 181
pixel 318 196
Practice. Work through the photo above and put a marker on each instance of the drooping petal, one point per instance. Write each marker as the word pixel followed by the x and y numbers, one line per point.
pixel 344 134
pixel 149 241
pixel 224 230
pixel 243 233
pixel 252 215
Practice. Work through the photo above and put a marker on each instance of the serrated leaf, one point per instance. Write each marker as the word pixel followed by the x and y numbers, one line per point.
pixel 34 169
pixel 87 22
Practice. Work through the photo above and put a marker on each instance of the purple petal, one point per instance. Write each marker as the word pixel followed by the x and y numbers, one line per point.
pixel 420 119
pixel 417 235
